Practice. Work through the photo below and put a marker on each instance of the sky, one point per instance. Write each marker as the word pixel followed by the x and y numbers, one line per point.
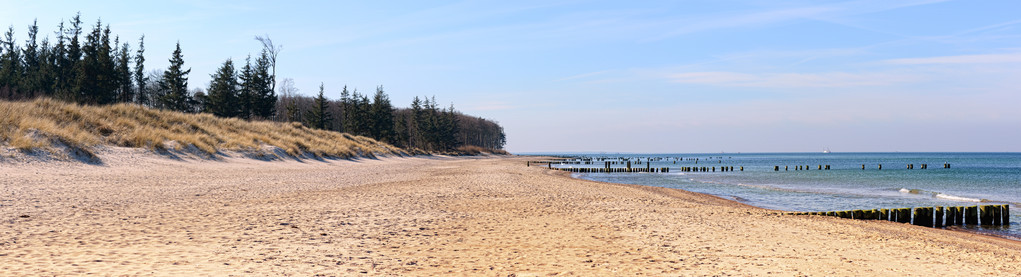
pixel 626 76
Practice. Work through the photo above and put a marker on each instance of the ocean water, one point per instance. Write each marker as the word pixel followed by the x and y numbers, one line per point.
pixel 972 179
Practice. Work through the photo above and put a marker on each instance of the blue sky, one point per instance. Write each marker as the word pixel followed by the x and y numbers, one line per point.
pixel 628 76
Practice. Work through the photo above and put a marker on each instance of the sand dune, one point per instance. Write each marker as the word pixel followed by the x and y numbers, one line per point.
pixel 140 214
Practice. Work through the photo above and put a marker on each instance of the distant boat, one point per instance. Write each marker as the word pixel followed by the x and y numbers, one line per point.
pixel 827 151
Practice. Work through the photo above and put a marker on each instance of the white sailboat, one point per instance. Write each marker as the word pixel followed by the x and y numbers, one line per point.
pixel 826 151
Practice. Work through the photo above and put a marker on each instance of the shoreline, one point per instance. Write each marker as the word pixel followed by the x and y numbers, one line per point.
pixel 958 229
pixel 986 233
pixel 425 216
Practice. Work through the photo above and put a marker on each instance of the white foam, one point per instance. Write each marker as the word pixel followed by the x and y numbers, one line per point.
pixel 957 198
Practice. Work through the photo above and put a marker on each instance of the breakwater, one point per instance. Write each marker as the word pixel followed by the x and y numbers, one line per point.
pixel 937 216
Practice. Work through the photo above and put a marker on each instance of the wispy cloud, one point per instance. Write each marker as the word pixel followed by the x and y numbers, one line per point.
pixel 835 13
pixel 960 59
pixel 583 75
pixel 792 80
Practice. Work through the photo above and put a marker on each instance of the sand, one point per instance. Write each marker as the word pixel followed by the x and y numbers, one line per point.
pixel 143 214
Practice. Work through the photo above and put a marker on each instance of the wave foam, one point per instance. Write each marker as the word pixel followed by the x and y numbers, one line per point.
pixel 942 195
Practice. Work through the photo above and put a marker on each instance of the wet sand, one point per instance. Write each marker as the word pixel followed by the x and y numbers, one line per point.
pixel 142 214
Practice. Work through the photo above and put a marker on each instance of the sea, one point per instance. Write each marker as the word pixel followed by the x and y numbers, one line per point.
pixel 971 179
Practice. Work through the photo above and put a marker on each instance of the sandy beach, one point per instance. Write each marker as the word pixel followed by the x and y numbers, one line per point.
pixel 142 214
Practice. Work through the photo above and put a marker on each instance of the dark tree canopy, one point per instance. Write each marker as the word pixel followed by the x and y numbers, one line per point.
pixel 175 84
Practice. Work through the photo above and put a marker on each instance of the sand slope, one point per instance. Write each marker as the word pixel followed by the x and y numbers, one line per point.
pixel 140 215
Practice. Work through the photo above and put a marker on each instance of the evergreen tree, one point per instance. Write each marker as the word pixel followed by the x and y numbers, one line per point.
pixel 381 117
pixel 223 92
pixel 95 82
pixel 31 82
pixel 175 84
pixel 247 93
pixel 345 110
pixel 125 89
pixel 10 65
pixel 70 62
pixel 264 99
pixel 318 117
pixel 448 130
pixel 46 75
pixel 415 123
pixel 143 95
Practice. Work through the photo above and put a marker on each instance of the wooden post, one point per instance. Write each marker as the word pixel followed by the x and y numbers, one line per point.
pixel 629 165
pixel 884 214
pixel 997 214
pixel 971 215
pixel 858 214
pixel 1006 215
pixel 844 214
pixel 960 215
pixel 951 216
pixel 985 213
pixel 923 216
pixel 742 168
pixel 776 168
pixel 938 221
pixel 904 215
pixel 862 166
pixel 880 166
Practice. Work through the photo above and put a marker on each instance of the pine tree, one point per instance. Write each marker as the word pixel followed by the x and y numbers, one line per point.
pixel 415 123
pixel 381 117
pixel 125 88
pixel 70 62
pixel 95 81
pixel 143 94
pixel 264 99
pixel 175 84
pixel 247 92
pixel 223 91
pixel 345 111
pixel 10 65
pixel 46 75
pixel 318 117
pixel 31 82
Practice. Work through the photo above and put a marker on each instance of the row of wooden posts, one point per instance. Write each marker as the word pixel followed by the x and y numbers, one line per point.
pixel 628 167
pixel 709 169
pixel 989 215
pixel 827 167
pixel 614 170
pixel 799 167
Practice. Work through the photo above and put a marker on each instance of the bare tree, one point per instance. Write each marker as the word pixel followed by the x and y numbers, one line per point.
pixel 272 50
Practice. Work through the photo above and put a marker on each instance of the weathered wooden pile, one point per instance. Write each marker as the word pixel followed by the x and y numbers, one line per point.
pixel 986 215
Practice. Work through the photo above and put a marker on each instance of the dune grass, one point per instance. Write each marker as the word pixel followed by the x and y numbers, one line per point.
pixel 45 123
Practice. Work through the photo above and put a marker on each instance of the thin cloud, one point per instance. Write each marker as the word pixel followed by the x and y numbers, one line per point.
pixel 582 76
pixel 961 59
pixel 835 13
pixel 792 80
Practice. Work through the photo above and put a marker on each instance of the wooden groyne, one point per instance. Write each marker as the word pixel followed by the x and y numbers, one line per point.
pixel 937 216
pixel 633 164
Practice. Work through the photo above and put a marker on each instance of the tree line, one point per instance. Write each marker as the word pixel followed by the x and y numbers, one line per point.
pixel 97 69
pixel 424 125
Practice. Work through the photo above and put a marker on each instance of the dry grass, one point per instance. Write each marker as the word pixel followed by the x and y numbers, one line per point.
pixel 46 123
